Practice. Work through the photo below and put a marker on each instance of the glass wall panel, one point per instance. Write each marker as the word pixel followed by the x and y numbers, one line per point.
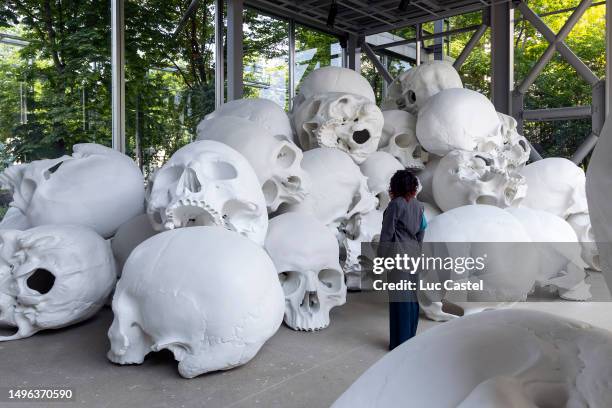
pixel 314 49
pixel 266 58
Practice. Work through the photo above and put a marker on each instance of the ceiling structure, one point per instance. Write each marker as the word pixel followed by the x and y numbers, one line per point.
pixel 366 17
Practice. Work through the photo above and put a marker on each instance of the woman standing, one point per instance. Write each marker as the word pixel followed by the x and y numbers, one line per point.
pixel 402 232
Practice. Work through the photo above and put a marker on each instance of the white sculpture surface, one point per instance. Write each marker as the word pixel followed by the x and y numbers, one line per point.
pixel 349 122
pixel 305 253
pixel 208 183
pixel 468 177
pixel 365 229
pixel 339 190
pixel 425 177
pixel 14 219
pixel 333 79
pixel 275 160
pixel 506 358
pixel 581 223
pixel 516 148
pixel 208 295
pixel 129 236
pixel 459 119
pixel 264 112
pixel 411 90
pixel 96 187
pixel 510 270
pixel 561 268
pixel 52 276
pixel 555 185
pixel 379 168
pixel 431 211
pixel 399 139
pixel 599 196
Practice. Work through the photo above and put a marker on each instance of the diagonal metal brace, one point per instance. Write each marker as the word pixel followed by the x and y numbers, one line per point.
pixel 554 45
pixel 382 70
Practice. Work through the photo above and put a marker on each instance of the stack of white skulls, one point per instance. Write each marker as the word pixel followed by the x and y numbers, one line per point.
pixel 467 156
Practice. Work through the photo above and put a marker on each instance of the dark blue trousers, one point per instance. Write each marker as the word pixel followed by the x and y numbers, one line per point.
pixel 403 321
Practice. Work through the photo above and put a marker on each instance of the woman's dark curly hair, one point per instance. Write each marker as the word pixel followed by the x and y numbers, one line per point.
pixel 403 184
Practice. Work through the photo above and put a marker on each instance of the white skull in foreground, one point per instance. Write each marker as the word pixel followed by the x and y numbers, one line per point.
pixel 349 122
pixel 305 253
pixel 208 295
pixel 516 148
pixel 264 112
pixel 581 223
pixel 14 219
pixel 207 183
pixel 555 185
pixel 379 168
pixel 413 88
pixel 459 119
pixel 365 229
pixel 129 236
pixel 52 276
pixel 599 195
pixel 561 268
pixel 275 160
pixel 505 358
pixel 399 139
pixel 467 177
pixel 479 231
pixel 339 190
pixel 97 187
pixel 333 79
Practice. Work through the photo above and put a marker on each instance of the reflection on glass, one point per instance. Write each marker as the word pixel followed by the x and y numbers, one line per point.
pixel 314 49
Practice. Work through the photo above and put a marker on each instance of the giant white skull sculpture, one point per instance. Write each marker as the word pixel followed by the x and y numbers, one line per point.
pixel 349 122
pixel 264 112
pixel 467 177
pixel 399 139
pixel 275 160
pixel 52 276
pixel 505 358
pixel 426 176
pixel 411 90
pixel 459 119
pixel 129 236
pixel 208 295
pixel 305 253
pixel 555 185
pixel 339 190
pixel 365 229
pixel 581 223
pixel 516 148
pixel 208 183
pixel 472 231
pixel 561 268
pixel 97 187
pixel 379 168
pixel 333 79
pixel 599 195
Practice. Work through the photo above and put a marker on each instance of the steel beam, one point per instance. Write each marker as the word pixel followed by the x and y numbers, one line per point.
pixel 193 7
pixel 219 55
pixel 235 69
pixel 502 56
pixel 439 41
pixel 467 50
pixel 419 39
pixel 608 88
pixel 553 114
pixel 433 36
pixel 118 74
pixel 584 149
pixel 354 53
pixel 380 68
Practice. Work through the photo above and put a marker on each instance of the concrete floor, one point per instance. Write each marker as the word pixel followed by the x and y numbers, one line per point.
pixel 292 370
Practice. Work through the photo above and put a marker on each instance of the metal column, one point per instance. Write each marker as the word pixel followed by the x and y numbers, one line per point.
pixel 608 55
pixel 439 42
pixel 354 53
pixel 502 56
pixel 291 62
pixel 118 74
pixel 235 69
pixel 380 68
pixel 219 55
pixel 419 39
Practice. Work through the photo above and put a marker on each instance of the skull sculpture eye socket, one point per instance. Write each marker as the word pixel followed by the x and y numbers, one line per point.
pixel 218 170
pixel 290 281
pixel 41 281
pixel 331 279
pixel 411 96
pixel 286 157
